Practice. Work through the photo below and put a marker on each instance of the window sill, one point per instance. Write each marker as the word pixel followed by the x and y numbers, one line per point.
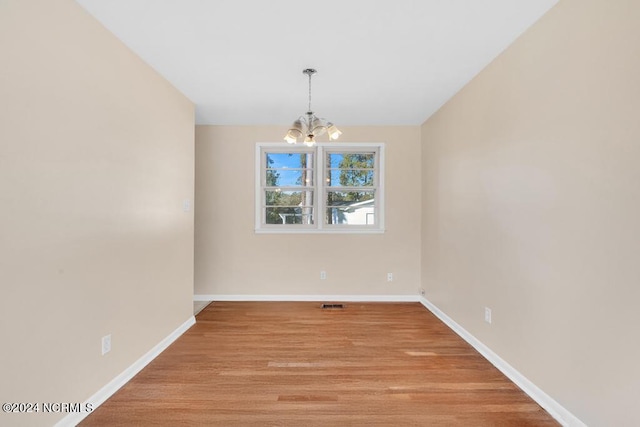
pixel 318 231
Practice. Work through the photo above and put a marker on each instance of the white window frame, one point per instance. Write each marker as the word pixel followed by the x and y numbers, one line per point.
pixel 319 188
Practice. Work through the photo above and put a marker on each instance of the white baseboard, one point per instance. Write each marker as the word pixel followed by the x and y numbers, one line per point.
pixel 114 385
pixel 344 298
pixel 557 411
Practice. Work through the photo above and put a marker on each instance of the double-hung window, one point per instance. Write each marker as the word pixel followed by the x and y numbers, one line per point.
pixel 332 187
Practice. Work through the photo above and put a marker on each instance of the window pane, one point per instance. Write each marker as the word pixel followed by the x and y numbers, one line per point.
pixel 289 160
pixel 289 178
pixel 351 160
pixel 357 215
pixel 350 207
pixel 288 198
pixel 348 198
pixel 350 177
pixel 289 215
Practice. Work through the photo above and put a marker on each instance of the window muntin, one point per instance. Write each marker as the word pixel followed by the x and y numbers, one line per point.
pixel 327 188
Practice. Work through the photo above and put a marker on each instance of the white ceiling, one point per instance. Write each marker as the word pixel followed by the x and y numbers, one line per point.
pixel 382 62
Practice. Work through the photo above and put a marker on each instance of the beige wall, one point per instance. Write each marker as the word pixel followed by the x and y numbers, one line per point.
pixel 529 192
pixel 231 259
pixel 531 206
pixel 96 156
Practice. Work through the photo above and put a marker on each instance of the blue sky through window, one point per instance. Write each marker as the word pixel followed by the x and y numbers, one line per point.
pixel 284 161
pixel 288 166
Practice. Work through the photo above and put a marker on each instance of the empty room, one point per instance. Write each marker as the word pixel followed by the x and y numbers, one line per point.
pixel 251 213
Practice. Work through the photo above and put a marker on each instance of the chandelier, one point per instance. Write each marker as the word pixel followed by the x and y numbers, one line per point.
pixel 308 126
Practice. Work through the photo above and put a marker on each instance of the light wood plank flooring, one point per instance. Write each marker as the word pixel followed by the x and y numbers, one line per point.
pixel 294 364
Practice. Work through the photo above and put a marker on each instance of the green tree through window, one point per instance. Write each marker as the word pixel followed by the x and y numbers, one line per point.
pixel 356 170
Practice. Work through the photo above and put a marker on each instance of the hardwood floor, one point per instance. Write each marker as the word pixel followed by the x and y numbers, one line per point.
pixel 295 364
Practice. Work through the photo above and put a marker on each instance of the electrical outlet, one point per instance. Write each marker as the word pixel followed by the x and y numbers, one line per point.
pixel 422 292
pixel 389 277
pixel 323 275
pixel 106 344
pixel 487 314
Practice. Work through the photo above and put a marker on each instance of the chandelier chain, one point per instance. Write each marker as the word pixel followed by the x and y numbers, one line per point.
pixel 309 93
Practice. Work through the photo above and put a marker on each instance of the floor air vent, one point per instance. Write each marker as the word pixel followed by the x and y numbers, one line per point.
pixel 332 306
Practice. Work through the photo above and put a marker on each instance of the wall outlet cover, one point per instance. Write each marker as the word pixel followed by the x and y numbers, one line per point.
pixel 487 314
pixel 106 344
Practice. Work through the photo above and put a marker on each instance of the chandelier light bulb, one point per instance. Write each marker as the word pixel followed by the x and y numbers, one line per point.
pixel 334 132
pixel 292 136
pixel 309 141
